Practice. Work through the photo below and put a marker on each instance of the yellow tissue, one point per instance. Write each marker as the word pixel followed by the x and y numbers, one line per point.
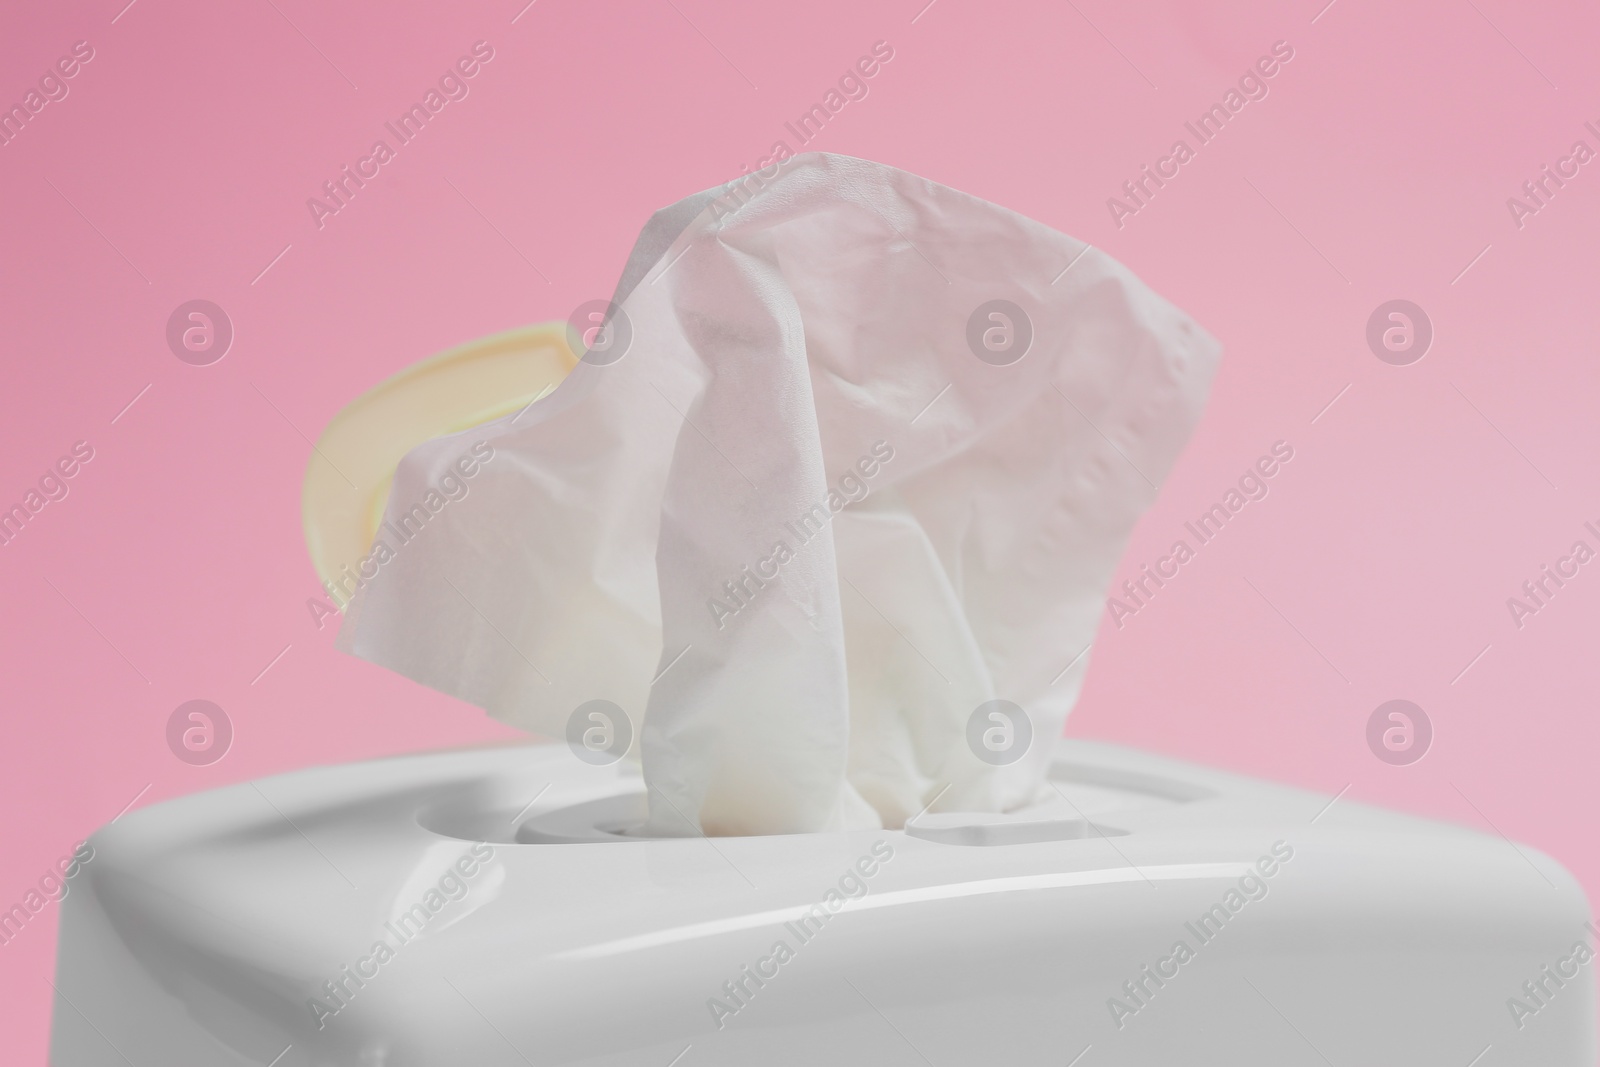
pixel 353 462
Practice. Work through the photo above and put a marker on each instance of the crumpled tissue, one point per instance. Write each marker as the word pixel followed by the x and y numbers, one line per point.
pixel 851 457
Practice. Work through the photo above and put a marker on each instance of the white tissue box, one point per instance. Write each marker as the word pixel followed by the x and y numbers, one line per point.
pixel 481 908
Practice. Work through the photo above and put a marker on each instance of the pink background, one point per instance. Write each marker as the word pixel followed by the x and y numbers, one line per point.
pixel 1377 168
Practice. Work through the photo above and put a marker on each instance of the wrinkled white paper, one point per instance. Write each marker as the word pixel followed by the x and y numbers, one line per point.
pixel 815 515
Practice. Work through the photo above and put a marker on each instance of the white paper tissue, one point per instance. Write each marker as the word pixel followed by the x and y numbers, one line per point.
pixel 815 511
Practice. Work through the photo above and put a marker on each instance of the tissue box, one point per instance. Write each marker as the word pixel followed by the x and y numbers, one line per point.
pixel 492 907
